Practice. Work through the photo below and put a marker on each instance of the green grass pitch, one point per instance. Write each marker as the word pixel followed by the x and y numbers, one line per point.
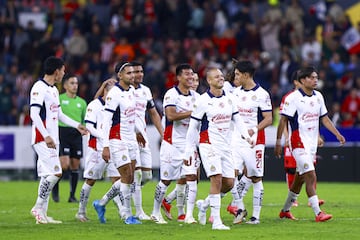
pixel 342 200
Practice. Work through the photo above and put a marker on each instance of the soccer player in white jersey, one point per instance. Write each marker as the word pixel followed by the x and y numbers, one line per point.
pixel 254 106
pixel 95 166
pixel 214 111
pixel 188 170
pixel 178 104
pixel 45 112
pixel 143 169
pixel 123 151
pixel 302 110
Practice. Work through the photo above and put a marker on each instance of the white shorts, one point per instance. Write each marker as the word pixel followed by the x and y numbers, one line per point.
pixel 48 160
pixel 194 166
pixel 170 161
pixel 217 160
pixel 252 158
pixel 239 163
pixel 95 166
pixel 304 160
pixel 145 158
pixel 121 152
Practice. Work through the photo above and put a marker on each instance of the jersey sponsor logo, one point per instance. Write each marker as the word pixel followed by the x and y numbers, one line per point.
pixel 129 111
pixel 65 102
pixel 54 107
pixel 221 118
pixel 309 117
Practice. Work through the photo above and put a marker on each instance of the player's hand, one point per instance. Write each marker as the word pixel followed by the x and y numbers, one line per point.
pixel 187 162
pixel 252 131
pixel 320 142
pixel 140 139
pixel 278 150
pixel 106 154
pixel 251 141
pixel 50 142
pixel 341 139
pixel 82 129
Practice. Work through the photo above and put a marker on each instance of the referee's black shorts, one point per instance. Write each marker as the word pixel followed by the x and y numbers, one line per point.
pixel 70 142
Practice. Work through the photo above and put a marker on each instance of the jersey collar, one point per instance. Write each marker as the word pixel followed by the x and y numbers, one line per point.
pixel 304 94
pixel 253 89
pixel 178 90
pixel 121 88
pixel 101 100
pixel 46 82
pixel 212 95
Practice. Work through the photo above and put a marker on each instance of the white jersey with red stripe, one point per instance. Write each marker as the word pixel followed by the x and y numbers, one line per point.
pixel 175 131
pixel 304 112
pixel 250 104
pixel 124 100
pixel 94 116
pixel 46 97
pixel 215 114
pixel 144 101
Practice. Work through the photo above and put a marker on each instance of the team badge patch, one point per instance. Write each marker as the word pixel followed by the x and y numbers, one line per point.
pixel 306 166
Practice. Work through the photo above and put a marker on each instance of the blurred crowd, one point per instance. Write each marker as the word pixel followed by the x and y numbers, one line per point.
pixel 92 35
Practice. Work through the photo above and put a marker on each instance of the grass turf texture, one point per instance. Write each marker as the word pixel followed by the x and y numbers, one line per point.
pixel 342 200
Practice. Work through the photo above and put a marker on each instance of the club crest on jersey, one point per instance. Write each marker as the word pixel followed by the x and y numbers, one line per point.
pixel 124 158
pixel 89 110
pixel 108 99
pixel 35 93
pixel 253 98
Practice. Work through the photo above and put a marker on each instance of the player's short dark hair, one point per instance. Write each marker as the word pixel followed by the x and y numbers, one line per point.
pixel 121 65
pixel 182 67
pixel 135 64
pixel 51 64
pixel 306 72
pixel 245 66
pixel 66 77
pixel 294 76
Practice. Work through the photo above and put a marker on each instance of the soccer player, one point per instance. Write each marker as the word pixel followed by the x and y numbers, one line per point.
pixel 45 112
pixel 71 146
pixel 214 111
pixel 190 200
pixel 303 109
pixel 289 160
pixel 124 149
pixel 143 169
pixel 254 106
pixel 95 166
pixel 178 104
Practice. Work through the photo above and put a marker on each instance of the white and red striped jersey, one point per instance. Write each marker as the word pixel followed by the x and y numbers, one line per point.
pixel 175 131
pixel 122 103
pixel 94 116
pixel 250 104
pixel 144 101
pixel 304 112
pixel 46 97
